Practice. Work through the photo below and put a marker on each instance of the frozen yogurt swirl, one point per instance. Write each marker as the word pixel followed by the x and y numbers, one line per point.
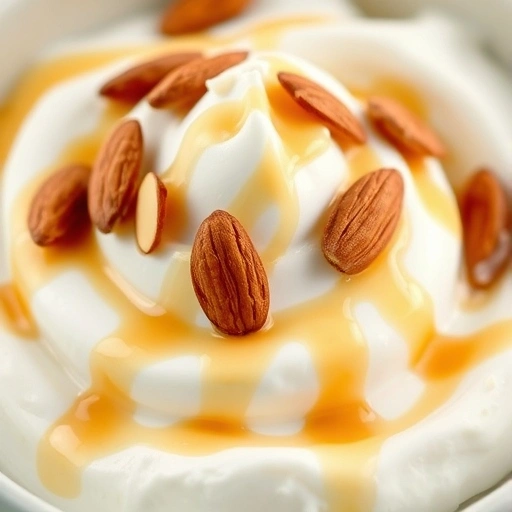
pixel 385 390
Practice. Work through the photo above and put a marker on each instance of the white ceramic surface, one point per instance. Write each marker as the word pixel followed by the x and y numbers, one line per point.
pixel 491 17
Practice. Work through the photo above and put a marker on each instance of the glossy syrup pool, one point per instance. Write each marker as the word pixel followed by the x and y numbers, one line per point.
pixel 342 429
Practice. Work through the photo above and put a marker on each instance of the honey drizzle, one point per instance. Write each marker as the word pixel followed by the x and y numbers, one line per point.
pixel 342 429
pixel 440 204
pixel 302 138
pixel 399 90
pixel 14 313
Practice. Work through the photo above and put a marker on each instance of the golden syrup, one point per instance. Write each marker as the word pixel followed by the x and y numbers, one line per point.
pixel 341 429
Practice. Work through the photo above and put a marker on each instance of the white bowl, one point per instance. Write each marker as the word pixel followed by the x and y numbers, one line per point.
pixel 14 498
pixel 29 25
pixel 491 17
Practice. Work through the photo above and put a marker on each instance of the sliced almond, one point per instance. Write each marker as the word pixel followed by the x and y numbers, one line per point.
pixel 187 84
pixel 59 207
pixel 363 220
pixel 115 175
pixel 150 215
pixel 485 216
pixel 403 128
pixel 323 105
pixel 184 16
pixel 228 276
pixel 133 84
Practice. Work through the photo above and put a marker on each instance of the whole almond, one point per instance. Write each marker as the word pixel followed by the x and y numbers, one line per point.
pixel 363 220
pixel 184 16
pixel 403 128
pixel 115 175
pixel 323 105
pixel 228 276
pixel 187 84
pixel 485 216
pixel 134 83
pixel 59 207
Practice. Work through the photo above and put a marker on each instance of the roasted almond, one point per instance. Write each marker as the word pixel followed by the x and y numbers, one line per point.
pixel 187 84
pixel 59 206
pixel 363 220
pixel 485 216
pixel 150 215
pixel 228 276
pixel 133 84
pixel 184 16
pixel 115 175
pixel 400 126
pixel 323 105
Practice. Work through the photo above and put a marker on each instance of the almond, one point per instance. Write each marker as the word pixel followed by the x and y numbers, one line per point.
pixel 485 219
pixel 133 84
pixel 115 175
pixel 403 128
pixel 150 216
pixel 324 106
pixel 187 84
pixel 228 276
pixel 184 16
pixel 363 220
pixel 59 206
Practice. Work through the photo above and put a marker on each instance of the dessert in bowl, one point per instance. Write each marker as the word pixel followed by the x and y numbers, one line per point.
pixel 264 266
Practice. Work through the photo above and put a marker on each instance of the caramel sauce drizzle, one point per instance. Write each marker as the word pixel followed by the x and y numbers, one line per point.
pixel 342 429
pixel 14 313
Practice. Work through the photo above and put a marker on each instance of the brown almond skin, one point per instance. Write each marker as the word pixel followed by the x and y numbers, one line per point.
pixel 135 83
pixel 59 207
pixel 228 276
pixel 485 214
pixel 187 84
pixel 185 16
pixel 363 221
pixel 115 175
pixel 402 128
pixel 323 105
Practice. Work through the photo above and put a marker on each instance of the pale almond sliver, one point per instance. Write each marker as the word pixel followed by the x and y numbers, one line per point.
pixel 150 214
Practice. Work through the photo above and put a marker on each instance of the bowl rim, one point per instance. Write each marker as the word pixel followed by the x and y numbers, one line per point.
pixel 19 499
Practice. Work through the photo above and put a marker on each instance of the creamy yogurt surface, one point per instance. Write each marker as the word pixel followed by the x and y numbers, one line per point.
pixel 383 391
